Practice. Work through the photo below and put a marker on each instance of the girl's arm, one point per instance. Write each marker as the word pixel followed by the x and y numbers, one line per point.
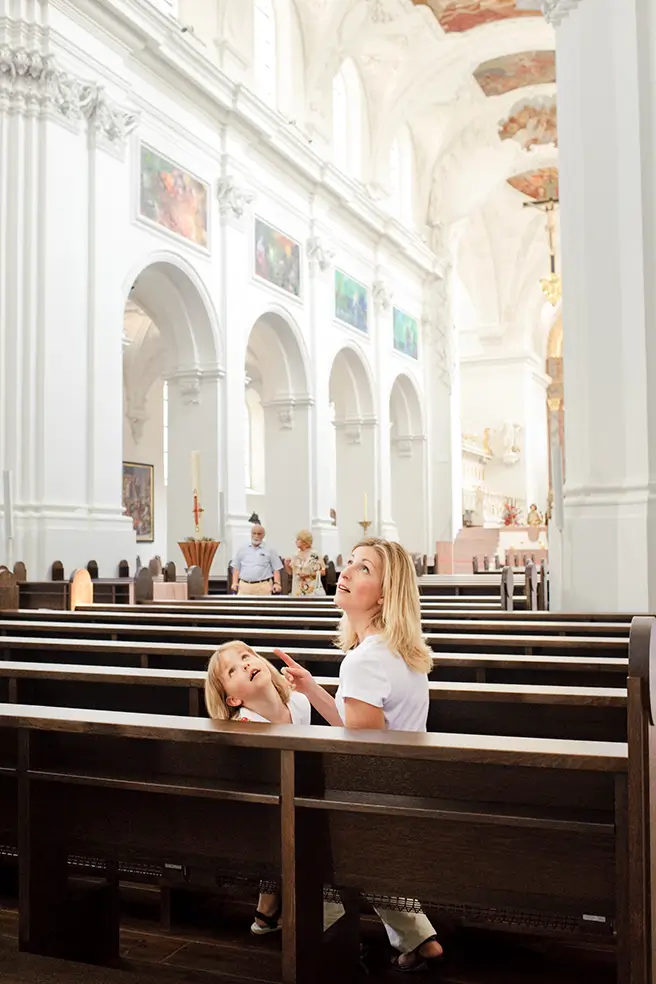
pixel 305 683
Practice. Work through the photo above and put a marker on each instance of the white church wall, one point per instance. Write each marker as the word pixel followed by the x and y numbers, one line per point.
pixel 149 450
pixel 205 301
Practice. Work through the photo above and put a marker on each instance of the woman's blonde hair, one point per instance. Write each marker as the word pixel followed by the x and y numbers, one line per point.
pixel 216 698
pixel 399 619
pixel 305 537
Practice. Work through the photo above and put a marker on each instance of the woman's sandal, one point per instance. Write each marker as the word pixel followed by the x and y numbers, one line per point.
pixel 419 963
pixel 271 923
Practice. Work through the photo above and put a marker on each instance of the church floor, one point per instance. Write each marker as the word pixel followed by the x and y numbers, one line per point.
pixel 231 956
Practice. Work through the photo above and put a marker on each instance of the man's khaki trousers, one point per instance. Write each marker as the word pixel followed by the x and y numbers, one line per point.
pixel 262 588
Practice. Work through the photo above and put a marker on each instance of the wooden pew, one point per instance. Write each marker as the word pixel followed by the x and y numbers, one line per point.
pixel 327 621
pixel 532 830
pixel 581 671
pixel 582 713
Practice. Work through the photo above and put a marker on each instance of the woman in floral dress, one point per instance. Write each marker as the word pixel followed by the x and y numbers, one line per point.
pixel 306 568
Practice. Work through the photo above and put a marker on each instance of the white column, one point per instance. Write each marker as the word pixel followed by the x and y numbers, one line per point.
pixel 439 355
pixel 60 139
pixel 384 517
pixel 606 52
pixel 287 444
pixel 322 304
pixel 236 219
pixel 356 462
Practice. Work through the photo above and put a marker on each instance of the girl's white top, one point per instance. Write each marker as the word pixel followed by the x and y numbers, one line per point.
pixel 374 674
pixel 299 707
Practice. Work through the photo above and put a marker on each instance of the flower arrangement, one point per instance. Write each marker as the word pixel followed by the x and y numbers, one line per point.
pixel 510 514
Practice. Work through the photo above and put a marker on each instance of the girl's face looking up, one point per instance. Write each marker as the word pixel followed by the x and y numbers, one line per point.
pixel 244 676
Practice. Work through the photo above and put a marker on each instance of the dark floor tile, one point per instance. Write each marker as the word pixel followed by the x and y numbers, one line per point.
pixel 251 964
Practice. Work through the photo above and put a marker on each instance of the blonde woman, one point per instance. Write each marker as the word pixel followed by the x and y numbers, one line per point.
pixel 383 684
pixel 306 568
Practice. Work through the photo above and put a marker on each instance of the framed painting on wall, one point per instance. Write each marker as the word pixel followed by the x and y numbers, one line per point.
pixel 351 302
pixel 277 258
pixel 173 198
pixel 139 499
pixel 406 334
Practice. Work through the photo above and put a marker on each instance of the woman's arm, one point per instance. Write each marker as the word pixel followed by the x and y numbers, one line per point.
pixel 362 715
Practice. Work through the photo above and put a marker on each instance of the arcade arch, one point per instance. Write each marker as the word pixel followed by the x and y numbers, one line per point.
pixel 408 464
pixel 172 370
pixel 352 398
pixel 278 407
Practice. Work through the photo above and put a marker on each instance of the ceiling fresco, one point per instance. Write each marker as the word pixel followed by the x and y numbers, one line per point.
pixel 532 123
pixel 539 185
pixel 462 15
pixel 501 75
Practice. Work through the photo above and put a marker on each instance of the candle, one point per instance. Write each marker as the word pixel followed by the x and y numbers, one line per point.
pixel 365 507
pixel 195 472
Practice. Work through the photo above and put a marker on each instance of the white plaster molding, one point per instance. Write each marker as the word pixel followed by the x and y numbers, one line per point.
pixel 188 382
pixel 31 81
pixel 553 10
pixel 319 254
pixel 233 197
pixel 382 295
pixel 106 119
pixel 438 331
pixel 404 444
pixel 137 418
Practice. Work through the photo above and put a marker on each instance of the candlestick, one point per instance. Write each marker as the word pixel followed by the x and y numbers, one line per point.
pixel 365 524
pixel 195 490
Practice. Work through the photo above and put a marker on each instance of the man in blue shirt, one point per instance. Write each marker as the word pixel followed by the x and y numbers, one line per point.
pixel 256 567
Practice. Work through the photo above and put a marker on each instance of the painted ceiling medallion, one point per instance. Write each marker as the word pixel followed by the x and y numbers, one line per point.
pixel 501 75
pixel 540 185
pixel 532 123
pixel 462 15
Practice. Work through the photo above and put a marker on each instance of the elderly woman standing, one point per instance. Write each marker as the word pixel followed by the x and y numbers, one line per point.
pixel 306 568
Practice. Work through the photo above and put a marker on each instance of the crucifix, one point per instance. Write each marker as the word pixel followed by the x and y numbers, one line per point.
pixel 551 285
pixel 197 511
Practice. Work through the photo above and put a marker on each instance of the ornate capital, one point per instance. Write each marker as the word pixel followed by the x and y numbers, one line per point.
pixel 106 118
pixel 189 385
pixel 31 82
pixel 319 253
pixel 232 197
pixel 382 295
pixel 555 10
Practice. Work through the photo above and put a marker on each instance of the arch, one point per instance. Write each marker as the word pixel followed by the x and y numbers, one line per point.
pixel 405 407
pixel 276 349
pixel 348 119
pixel 265 51
pixel 402 176
pixel 351 384
pixel 172 293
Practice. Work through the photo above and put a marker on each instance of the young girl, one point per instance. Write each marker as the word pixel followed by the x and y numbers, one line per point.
pixel 383 684
pixel 243 686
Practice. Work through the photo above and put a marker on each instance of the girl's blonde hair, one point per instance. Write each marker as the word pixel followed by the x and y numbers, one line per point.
pixel 399 619
pixel 305 537
pixel 216 698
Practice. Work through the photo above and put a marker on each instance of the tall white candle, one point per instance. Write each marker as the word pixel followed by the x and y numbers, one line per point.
pixel 365 507
pixel 195 472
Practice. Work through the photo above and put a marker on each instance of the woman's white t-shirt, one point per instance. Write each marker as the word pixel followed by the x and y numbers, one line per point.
pixel 374 674
pixel 299 707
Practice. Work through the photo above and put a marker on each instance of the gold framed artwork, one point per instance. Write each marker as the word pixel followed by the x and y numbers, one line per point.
pixel 139 499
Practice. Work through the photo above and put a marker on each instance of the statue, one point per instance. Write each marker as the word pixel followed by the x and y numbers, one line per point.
pixel 534 518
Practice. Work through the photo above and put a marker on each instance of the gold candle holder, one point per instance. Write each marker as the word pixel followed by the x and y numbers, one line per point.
pixel 365 524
